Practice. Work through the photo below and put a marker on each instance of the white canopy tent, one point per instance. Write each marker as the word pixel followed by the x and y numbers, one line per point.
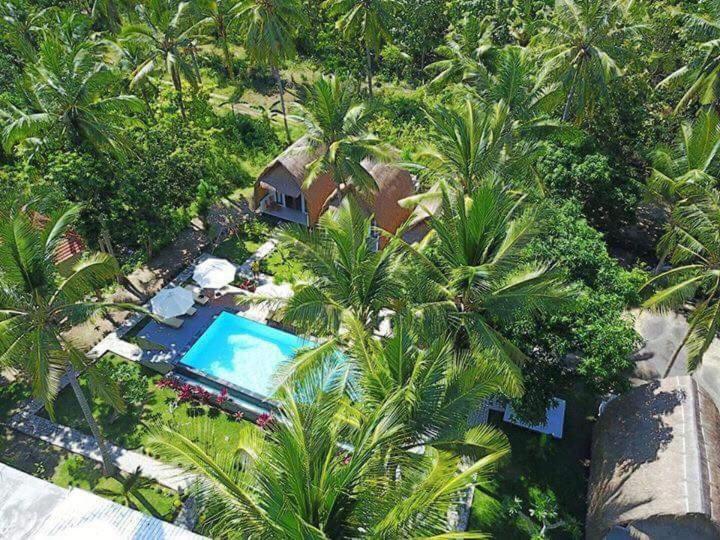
pixel 213 273
pixel 172 302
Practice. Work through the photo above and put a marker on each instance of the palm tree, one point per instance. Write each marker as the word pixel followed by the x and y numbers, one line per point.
pixel 368 20
pixel 127 487
pixel 70 93
pixel 701 72
pixel 220 16
pixel 323 469
pixel 471 276
pixel 433 387
pixel 695 255
pixel 468 54
pixel 337 130
pixel 468 145
pixel 270 27
pixel 167 32
pixel 21 25
pixel 37 303
pixel 587 39
pixel 679 173
pixel 349 276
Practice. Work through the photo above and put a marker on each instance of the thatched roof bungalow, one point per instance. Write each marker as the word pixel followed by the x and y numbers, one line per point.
pixel 655 465
pixel 279 191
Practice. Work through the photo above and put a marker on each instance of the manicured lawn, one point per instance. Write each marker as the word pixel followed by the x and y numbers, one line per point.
pixel 543 462
pixel 130 429
pixel 77 471
pixel 279 264
pixel 283 267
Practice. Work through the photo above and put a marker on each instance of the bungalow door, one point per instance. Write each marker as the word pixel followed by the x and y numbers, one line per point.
pixel 294 203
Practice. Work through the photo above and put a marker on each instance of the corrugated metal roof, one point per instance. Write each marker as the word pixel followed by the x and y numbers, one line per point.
pixel 33 508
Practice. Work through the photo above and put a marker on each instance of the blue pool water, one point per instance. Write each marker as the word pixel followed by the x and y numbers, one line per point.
pixel 243 352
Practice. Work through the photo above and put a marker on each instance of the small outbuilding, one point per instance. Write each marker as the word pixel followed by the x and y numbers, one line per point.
pixel 655 465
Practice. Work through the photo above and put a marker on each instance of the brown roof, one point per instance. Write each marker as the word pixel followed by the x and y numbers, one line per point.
pixel 71 245
pixel 295 159
pixel 655 464
pixel 394 184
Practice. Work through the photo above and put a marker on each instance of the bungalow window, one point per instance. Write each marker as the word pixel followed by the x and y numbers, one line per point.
pixel 280 198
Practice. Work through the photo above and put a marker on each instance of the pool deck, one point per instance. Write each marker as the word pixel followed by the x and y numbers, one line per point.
pixel 175 342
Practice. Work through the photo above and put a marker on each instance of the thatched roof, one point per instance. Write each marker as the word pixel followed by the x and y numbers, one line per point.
pixel 295 159
pixel 655 464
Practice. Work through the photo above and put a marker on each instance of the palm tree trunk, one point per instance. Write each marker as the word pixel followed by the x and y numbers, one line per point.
pixel 178 89
pixel 570 96
pixel 368 68
pixel 196 66
pixel 281 89
pixel 226 51
pixel 108 466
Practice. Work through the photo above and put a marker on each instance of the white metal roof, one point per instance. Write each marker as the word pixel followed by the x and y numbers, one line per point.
pixel 31 508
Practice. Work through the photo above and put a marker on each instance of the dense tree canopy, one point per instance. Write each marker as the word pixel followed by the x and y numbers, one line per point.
pixel 565 160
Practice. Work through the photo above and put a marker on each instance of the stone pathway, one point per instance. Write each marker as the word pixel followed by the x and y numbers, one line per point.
pixel 263 251
pixel 79 443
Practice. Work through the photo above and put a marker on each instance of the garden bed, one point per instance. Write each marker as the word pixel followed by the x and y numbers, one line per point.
pixel 543 464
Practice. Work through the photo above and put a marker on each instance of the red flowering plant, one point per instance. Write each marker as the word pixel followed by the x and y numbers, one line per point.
pixel 264 420
pixel 190 392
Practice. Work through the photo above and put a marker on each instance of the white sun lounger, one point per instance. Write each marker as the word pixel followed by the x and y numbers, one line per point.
pixel 198 296
pixel 172 322
pixel 191 311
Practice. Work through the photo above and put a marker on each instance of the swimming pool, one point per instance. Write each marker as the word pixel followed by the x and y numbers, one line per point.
pixel 242 352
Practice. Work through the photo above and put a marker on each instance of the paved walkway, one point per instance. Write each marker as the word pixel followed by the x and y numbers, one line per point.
pixel 662 334
pixel 80 443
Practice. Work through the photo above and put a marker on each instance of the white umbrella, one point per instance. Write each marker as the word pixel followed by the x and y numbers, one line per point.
pixel 172 302
pixel 214 273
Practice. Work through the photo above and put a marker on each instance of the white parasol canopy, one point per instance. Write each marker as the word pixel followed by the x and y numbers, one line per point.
pixel 214 273
pixel 172 302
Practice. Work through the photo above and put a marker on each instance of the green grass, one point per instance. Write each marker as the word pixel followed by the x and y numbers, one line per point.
pixel 76 471
pixel 11 396
pixel 131 428
pixel 540 461
pixel 283 267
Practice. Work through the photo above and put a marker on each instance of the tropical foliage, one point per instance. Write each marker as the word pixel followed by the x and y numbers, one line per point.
pixel 560 148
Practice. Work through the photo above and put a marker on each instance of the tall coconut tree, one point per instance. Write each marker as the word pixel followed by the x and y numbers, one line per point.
pixel 366 20
pixel 695 256
pixel 432 385
pixel 220 17
pixel 21 25
pixel 467 56
pixel 337 131
pixel 323 469
pixel 467 144
pixel 71 94
pixel 470 276
pixel 587 41
pixel 38 303
pixel 348 275
pixel 700 74
pixel 680 172
pixel 270 28
pixel 167 31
